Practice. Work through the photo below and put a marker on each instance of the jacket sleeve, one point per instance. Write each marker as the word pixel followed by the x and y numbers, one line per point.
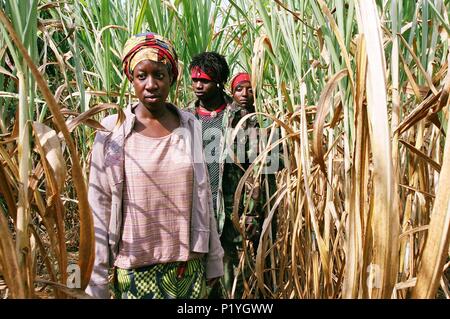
pixel 99 196
pixel 214 259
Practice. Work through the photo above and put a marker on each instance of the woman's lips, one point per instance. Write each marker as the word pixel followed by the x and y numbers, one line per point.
pixel 151 97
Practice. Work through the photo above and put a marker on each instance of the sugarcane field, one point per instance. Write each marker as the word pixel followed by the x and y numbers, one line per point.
pixel 224 149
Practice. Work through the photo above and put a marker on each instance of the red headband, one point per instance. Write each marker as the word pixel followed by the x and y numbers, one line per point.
pixel 198 73
pixel 239 78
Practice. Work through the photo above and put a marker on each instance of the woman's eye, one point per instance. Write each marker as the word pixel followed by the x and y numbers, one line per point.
pixel 141 76
pixel 159 76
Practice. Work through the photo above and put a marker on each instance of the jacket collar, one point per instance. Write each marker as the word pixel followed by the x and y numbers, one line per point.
pixel 130 117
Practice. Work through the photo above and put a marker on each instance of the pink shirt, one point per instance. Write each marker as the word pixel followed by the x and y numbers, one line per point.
pixel 157 201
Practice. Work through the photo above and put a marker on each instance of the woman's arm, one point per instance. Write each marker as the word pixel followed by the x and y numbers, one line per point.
pixel 214 259
pixel 99 195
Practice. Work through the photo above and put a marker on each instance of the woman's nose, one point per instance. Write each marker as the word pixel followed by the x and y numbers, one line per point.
pixel 151 83
pixel 198 84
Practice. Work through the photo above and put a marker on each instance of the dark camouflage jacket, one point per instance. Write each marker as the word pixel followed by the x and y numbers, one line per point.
pixel 229 173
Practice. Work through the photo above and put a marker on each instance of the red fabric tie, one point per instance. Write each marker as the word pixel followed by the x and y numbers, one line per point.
pixel 239 78
pixel 198 73
pixel 203 112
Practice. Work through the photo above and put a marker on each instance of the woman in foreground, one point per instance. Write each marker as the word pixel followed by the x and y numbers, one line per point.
pixel 149 190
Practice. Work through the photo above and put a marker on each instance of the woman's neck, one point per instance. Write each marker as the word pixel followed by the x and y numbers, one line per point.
pixel 149 113
pixel 250 109
pixel 212 104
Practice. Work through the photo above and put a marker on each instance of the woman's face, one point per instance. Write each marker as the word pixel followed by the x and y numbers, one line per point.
pixel 205 90
pixel 151 82
pixel 243 94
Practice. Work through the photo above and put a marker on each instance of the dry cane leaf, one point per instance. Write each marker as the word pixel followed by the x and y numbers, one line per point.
pixel 9 260
pixel 86 248
pixel 385 222
pixel 49 141
pixel 323 108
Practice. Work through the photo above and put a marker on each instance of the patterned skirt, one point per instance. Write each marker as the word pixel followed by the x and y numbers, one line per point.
pixel 175 280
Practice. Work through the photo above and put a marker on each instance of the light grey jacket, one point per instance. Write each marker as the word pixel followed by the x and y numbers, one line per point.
pixel 106 191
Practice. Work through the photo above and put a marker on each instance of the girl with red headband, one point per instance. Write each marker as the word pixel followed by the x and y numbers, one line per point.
pixel 218 115
pixel 148 190
pixel 242 91
pixel 254 199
